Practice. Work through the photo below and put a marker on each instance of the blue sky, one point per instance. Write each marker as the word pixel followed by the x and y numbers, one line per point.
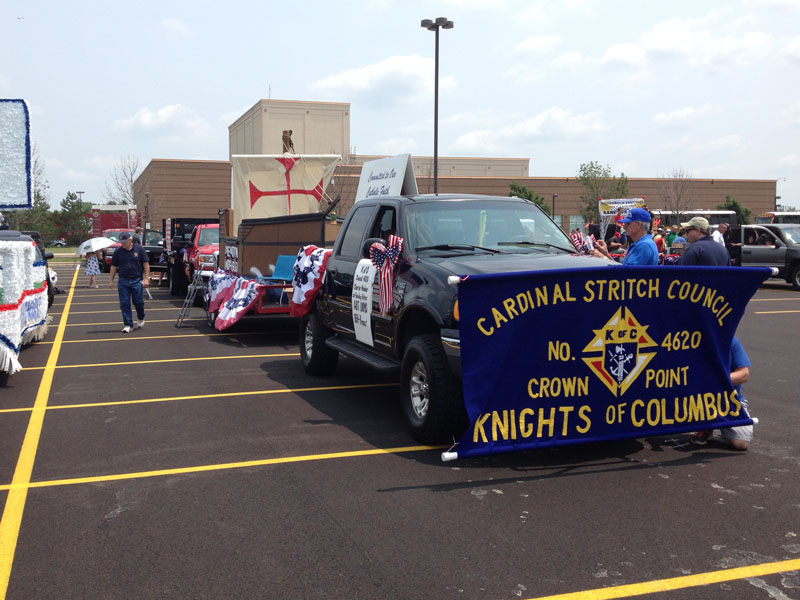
pixel 646 87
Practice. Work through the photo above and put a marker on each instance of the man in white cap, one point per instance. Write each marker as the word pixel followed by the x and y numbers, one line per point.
pixel 703 250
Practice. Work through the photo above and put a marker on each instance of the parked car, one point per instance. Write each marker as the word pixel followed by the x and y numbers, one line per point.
pixel 59 242
pixel 773 245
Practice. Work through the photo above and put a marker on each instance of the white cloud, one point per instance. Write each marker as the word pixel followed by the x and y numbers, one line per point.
pixel 553 123
pixel 174 123
pixel 175 26
pixel 728 142
pixel 396 79
pixel 101 162
pixel 791 49
pixel 538 43
pixel 681 115
pixel 626 53
pixel 569 59
pixel 524 74
pixel 708 41
pixel 784 4
pixel 792 114
pixel 79 176
pixel 791 160
pixel 395 145
pixel 477 4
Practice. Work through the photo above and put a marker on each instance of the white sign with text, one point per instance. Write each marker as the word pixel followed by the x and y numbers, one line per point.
pixel 362 300
pixel 393 176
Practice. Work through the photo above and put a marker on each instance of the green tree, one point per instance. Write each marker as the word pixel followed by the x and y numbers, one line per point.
pixel 526 193
pixel 742 213
pixel 72 221
pixel 598 182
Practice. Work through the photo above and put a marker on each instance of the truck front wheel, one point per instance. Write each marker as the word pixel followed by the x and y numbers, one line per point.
pixel 431 396
pixel 317 357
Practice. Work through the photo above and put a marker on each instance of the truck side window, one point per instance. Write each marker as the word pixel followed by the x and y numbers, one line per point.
pixel 386 223
pixel 351 242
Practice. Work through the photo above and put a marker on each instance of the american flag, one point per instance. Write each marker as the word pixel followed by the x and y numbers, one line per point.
pixel 582 243
pixel 384 259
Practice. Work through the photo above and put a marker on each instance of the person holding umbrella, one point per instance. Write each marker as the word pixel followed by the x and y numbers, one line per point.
pixel 134 275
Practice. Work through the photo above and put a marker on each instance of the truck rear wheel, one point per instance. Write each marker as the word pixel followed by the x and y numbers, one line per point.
pixel 794 279
pixel 431 396
pixel 317 357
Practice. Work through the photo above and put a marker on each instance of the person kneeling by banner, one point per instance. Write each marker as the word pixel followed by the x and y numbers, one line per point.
pixel 134 275
pixel 739 437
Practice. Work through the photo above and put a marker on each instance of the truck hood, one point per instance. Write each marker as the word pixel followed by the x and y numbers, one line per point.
pixel 512 263
pixel 208 249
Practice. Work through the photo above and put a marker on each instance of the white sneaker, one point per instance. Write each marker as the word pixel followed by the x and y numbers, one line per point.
pixel 139 324
pixel 126 329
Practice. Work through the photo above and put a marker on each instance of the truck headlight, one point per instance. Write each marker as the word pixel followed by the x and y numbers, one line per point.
pixel 207 260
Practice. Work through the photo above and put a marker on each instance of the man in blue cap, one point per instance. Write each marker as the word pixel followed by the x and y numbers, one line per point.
pixel 643 250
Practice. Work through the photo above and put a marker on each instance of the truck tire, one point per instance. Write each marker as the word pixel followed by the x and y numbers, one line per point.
pixel 175 281
pixel 794 278
pixel 211 317
pixel 431 396
pixel 317 357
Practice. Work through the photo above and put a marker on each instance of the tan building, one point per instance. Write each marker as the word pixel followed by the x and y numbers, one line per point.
pixel 182 188
pixel 317 128
pixel 200 188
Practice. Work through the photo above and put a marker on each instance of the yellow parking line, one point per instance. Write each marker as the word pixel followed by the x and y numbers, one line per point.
pixel 119 322
pixel 117 302
pixel 217 467
pixel 166 360
pixel 206 396
pixel 679 583
pixel 95 312
pixel 775 312
pixel 15 503
pixel 130 338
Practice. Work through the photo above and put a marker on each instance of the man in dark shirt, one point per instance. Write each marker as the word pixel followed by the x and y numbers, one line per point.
pixel 703 249
pixel 134 275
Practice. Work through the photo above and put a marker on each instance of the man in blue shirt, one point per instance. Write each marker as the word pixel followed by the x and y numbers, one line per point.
pixel 134 275
pixel 739 437
pixel 643 250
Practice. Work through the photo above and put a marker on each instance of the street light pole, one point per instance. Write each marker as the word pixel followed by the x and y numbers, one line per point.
pixel 554 206
pixel 443 23
pixel 147 210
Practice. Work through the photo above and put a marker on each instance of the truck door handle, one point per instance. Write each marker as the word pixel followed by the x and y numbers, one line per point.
pixel 334 272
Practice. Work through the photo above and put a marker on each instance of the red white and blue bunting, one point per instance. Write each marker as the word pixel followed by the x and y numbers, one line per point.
pixel 309 275
pixel 23 301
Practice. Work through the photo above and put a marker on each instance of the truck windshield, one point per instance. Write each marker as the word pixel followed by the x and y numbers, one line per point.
pixel 208 237
pixel 792 234
pixel 506 226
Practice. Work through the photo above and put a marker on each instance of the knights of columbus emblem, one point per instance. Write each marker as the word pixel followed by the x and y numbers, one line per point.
pixel 617 358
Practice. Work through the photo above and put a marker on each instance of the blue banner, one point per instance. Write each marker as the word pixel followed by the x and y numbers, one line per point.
pixel 571 356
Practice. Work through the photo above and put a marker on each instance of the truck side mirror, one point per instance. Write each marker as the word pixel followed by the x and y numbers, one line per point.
pixel 48 255
pixel 368 244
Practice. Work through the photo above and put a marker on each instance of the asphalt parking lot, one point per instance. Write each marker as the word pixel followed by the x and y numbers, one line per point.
pixel 188 463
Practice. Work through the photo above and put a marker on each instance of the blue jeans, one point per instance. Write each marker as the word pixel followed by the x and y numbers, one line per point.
pixel 130 289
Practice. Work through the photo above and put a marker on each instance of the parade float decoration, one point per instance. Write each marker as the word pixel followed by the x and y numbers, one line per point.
pixel 23 300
